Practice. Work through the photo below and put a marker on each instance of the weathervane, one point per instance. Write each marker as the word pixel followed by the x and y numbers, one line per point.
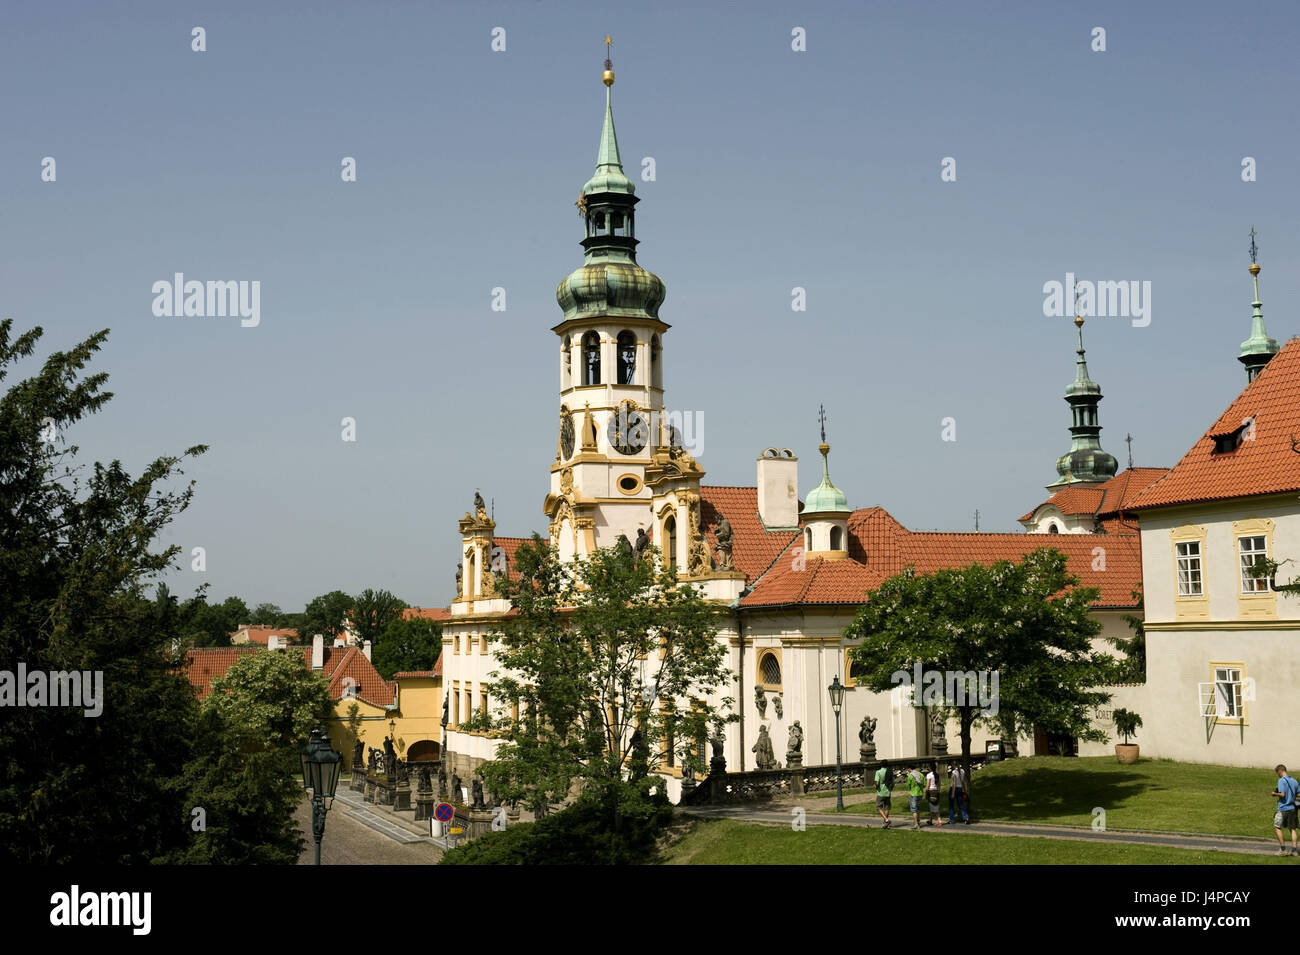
pixel 821 416
pixel 1129 439
pixel 1254 250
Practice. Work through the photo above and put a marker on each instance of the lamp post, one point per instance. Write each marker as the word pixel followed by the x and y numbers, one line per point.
pixel 836 690
pixel 321 767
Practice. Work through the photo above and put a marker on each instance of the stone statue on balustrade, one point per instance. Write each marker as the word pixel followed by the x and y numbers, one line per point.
pixel 867 738
pixel 794 748
pixel 938 733
pixel 764 757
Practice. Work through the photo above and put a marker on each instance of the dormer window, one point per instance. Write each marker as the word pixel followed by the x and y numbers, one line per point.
pixel 1230 441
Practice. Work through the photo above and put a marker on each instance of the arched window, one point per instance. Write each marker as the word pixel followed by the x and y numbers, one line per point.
pixel 591 358
pixel 656 369
pixel 769 669
pixel 566 377
pixel 807 539
pixel 626 357
pixel 1053 529
pixel 670 540
pixel 837 538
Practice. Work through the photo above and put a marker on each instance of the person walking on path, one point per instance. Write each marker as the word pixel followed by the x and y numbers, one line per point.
pixel 884 791
pixel 957 794
pixel 915 789
pixel 1285 816
pixel 932 794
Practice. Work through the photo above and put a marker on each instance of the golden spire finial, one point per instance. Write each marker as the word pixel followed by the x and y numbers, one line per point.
pixel 608 78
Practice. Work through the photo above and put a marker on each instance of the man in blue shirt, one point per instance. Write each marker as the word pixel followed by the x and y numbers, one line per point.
pixel 1285 816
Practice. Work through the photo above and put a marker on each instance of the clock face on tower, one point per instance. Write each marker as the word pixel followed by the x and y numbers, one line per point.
pixel 628 432
pixel 566 434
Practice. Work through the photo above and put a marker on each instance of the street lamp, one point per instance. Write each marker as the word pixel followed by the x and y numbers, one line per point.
pixel 321 767
pixel 836 690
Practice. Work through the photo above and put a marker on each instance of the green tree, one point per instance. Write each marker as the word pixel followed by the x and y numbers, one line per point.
pixel 78 559
pixel 608 662
pixel 1026 622
pixel 408 644
pixel 325 615
pixel 1131 667
pixel 373 611
pixel 211 625
pixel 266 615
pixel 244 776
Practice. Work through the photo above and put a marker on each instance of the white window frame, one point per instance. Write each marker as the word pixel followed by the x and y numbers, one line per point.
pixel 1228 702
pixel 1246 558
pixel 1185 570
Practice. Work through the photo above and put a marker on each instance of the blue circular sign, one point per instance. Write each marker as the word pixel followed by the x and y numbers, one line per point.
pixel 443 812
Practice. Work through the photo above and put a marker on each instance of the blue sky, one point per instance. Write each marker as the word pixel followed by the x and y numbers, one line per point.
pixel 775 169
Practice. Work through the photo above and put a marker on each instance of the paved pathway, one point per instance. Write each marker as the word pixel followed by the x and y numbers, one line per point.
pixel 778 813
pixel 357 834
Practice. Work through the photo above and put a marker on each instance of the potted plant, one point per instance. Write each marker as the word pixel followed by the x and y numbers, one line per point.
pixel 1126 724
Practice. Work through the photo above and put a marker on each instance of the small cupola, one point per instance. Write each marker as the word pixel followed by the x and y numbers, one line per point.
pixel 826 511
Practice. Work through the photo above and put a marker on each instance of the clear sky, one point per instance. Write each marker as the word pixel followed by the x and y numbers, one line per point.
pixel 774 169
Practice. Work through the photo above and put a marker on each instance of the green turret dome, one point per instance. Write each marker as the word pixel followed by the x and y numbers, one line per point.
pixel 609 283
pixel 825 497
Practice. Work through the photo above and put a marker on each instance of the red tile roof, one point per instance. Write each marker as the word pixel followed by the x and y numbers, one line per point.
pixel 880 547
pixel 261 634
pixel 753 547
pixel 427 613
pixel 207 664
pixel 342 663
pixel 1103 499
pixel 1263 464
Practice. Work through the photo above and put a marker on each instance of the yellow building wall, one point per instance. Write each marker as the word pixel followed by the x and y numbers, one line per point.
pixel 418 717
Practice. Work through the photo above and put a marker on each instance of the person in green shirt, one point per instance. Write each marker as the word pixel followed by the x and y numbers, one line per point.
pixel 915 790
pixel 884 790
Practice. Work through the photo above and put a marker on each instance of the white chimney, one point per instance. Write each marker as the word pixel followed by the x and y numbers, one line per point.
pixel 340 642
pixel 365 648
pixel 778 488
pixel 273 642
pixel 318 652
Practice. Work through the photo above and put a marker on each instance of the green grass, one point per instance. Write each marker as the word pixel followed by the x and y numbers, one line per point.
pixel 726 842
pixel 1156 794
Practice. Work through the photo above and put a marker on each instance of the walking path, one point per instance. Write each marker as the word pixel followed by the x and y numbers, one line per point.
pixel 778 812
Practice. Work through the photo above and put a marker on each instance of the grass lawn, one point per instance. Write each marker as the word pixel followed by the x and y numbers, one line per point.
pixel 1156 794
pixel 726 842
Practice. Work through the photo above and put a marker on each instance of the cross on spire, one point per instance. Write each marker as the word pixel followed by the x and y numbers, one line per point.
pixel 1128 439
pixel 609 41
pixel 1254 250
pixel 821 417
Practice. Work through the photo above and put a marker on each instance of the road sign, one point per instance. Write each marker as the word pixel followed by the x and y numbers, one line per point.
pixel 443 812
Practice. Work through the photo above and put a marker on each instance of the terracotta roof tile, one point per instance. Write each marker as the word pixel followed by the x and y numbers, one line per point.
pixel 205 665
pixel 261 634
pixel 427 613
pixel 1262 464
pixel 753 546
pixel 1109 497
pixel 880 547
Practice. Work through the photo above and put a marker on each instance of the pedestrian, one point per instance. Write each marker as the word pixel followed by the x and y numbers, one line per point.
pixel 1285 816
pixel 915 789
pixel 957 794
pixel 932 794
pixel 884 790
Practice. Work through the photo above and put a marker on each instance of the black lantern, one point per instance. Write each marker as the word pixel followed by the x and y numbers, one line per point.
pixel 836 690
pixel 321 768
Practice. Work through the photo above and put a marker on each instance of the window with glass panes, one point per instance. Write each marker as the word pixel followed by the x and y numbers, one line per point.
pixel 1251 549
pixel 1227 692
pixel 1189 569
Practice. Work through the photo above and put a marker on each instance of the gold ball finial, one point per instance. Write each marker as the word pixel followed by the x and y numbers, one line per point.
pixel 1078 321
pixel 608 77
pixel 1254 268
